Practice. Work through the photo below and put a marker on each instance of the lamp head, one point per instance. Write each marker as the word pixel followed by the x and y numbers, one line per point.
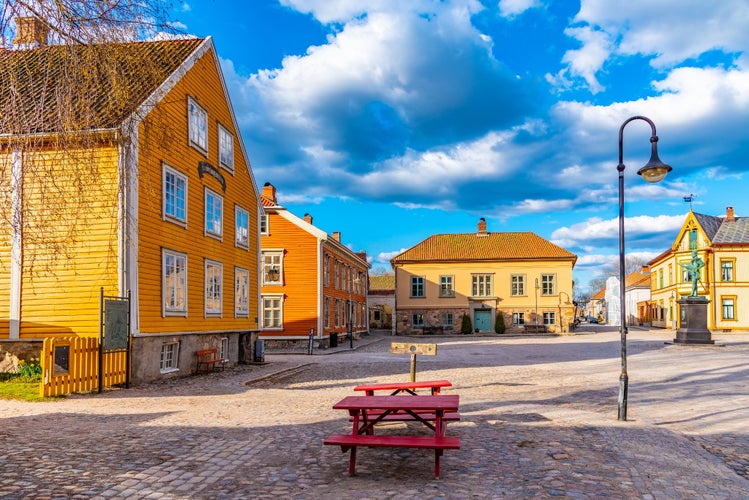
pixel 654 170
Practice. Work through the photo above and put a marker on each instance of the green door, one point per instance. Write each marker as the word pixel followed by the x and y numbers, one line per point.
pixel 482 319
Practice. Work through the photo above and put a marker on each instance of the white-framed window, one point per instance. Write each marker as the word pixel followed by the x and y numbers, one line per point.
pixel 241 227
pixel 550 318
pixel 518 285
pixel 241 292
pixel 726 270
pixel 337 313
pixel 225 148
pixel 264 224
pixel 481 285
pixel 174 283
pixel 272 267
pixel 214 210
pixel 728 308
pixel 417 286
pixel 547 284
pixel 337 276
pixel 197 125
pixel 417 319
pixel 273 312
pixel 224 350
pixel 446 286
pixel 326 313
pixel 169 358
pixel 326 270
pixel 518 319
pixel 174 185
pixel 213 290
pixel 447 319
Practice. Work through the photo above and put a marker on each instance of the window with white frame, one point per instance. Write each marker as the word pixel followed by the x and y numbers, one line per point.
pixel 481 285
pixel 336 313
pixel 447 319
pixel 174 283
pixel 326 313
pixel 728 307
pixel 174 194
pixel 417 319
pixel 214 209
pixel 417 286
pixel 225 148
pixel 518 285
pixel 198 125
pixel 272 267
pixel 326 270
pixel 547 284
pixel 273 312
pixel 169 358
pixel 264 224
pixel 518 318
pixel 224 351
pixel 336 276
pixel 241 292
pixel 242 227
pixel 550 318
pixel 446 286
pixel 726 270
pixel 213 292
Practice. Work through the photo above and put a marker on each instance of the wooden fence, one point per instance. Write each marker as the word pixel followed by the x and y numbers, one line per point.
pixel 71 364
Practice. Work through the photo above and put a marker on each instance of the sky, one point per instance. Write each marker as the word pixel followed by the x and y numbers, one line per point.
pixel 390 121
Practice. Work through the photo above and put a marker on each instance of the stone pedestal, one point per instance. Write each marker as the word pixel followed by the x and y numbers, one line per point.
pixel 693 322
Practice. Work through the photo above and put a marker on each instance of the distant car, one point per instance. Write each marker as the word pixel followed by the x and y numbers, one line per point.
pixel 591 319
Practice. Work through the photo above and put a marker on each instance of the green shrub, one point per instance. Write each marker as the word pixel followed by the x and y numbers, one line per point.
pixel 499 323
pixel 30 369
pixel 466 327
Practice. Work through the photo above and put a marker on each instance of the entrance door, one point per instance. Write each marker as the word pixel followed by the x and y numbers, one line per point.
pixel 482 319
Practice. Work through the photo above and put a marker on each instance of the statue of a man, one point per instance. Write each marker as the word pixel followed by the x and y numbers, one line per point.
pixel 693 268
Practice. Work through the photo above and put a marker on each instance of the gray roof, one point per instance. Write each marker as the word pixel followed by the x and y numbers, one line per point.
pixel 722 232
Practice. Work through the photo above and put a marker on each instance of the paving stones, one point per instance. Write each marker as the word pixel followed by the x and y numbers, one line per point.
pixel 538 420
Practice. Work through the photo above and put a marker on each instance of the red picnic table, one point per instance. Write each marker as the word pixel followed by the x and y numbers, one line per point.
pixel 397 387
pixel 367 411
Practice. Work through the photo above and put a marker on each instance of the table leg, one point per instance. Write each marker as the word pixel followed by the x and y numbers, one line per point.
pixel 352 462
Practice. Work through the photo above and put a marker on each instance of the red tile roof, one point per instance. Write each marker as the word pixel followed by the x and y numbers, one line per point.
pixel 63 88
pixel 489 247
pixel 638 279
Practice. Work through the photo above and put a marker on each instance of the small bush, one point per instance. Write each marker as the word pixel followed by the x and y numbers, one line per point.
pixel 30 369
pixel 466 326
pixel 499 323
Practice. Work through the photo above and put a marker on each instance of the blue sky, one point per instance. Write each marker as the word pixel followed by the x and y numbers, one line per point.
pixel 390 120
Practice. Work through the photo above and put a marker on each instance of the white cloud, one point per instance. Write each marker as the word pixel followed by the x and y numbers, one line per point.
pixel 386 256
pixel 597 229
pixel 586 61
pixel 512 8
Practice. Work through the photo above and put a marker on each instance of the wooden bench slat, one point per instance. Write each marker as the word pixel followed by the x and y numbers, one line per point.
pixel 208 360
pixel 388 441
pixel 405 417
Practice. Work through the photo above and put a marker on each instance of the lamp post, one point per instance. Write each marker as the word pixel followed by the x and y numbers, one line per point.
pixel 653 171
pixel 535 320
pixel 356 281
pixel 559 297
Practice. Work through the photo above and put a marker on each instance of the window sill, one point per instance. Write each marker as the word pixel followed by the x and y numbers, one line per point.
pixel 168 370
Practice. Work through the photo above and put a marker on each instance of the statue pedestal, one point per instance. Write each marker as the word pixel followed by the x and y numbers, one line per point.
pixel 693 322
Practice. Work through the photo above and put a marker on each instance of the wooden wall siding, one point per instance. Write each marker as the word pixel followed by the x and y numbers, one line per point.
pixel 163 137
pixel 60 292
pixel 300 272
pixel 5 234
pixel 340 293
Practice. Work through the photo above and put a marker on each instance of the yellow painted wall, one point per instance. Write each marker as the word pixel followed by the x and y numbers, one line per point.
pixel 163 138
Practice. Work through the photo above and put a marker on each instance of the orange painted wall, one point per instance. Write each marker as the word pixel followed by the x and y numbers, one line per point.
pixel 163 138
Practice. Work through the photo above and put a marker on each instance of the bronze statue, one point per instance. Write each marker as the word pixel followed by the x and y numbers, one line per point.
pixel 693 269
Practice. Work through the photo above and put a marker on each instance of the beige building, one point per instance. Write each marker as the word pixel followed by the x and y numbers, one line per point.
pixel 521 275
pixel 722 243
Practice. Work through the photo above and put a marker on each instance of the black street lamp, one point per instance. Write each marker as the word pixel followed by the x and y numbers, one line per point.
pixel 653 171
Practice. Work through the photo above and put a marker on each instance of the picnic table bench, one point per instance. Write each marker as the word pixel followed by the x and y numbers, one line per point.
pixel 397 387
pixel 367 411
pixel 208 360
pixel 536 329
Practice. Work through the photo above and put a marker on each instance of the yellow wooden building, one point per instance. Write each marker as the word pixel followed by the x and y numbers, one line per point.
pixel 722 243
pixel 521 275
pixel 157 200
pixel 310 281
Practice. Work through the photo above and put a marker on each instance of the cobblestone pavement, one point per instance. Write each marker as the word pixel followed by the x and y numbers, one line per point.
pixel 538 421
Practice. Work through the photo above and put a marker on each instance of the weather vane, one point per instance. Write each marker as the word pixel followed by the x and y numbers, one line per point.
pixel 688 199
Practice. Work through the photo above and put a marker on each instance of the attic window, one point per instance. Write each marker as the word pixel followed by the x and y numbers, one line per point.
pixel 198 125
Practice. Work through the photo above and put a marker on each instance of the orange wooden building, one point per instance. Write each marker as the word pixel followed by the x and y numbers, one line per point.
pixel 172 217
pixel 310 281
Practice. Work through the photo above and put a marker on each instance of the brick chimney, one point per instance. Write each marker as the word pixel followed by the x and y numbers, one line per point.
pixel 482 227
pixel 269 191
pixel 31 33
pixel 362 255
pixel 729 215
pixel 336 236
pixel 307 218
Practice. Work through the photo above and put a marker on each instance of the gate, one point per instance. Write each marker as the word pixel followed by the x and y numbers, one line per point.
pixel 72 364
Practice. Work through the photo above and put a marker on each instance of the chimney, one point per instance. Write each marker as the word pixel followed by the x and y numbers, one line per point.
pixel 307 218
pixel 337 236
pixel 31 33
pixel 729 215
pixel 269 191
pixel 362 255
pixel 482 227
